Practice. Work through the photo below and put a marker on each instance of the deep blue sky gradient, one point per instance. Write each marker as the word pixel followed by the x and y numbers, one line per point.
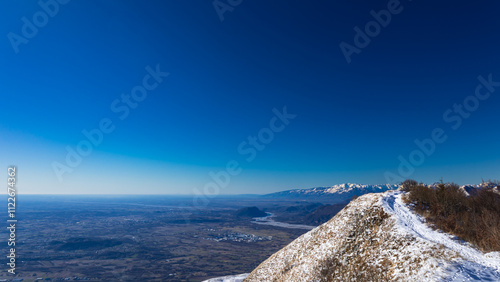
pixel 353 120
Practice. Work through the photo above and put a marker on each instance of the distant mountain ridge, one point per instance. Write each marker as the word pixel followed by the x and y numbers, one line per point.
pixel 471 189
pixel 337 193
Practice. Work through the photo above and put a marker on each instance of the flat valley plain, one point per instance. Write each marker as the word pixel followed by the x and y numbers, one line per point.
pixel 143 238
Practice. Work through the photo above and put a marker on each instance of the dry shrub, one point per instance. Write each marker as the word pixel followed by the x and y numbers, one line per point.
pixel 407 184
pixel 474 218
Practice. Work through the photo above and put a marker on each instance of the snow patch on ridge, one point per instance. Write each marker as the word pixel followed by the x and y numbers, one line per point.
pixel 473 263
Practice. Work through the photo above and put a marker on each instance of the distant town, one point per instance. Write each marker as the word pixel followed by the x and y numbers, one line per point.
pixel 239 237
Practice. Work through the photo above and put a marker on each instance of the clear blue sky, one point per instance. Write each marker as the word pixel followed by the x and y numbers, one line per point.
pixel 352 120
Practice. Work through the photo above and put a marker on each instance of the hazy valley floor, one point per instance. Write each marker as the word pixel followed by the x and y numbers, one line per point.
pixel 129 238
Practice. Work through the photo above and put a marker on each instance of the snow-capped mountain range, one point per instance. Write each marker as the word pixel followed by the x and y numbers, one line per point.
pixel 339 193
pixel 472 188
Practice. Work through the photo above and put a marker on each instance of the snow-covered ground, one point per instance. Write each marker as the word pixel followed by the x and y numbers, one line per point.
pixel 233 278
pixel 472 265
